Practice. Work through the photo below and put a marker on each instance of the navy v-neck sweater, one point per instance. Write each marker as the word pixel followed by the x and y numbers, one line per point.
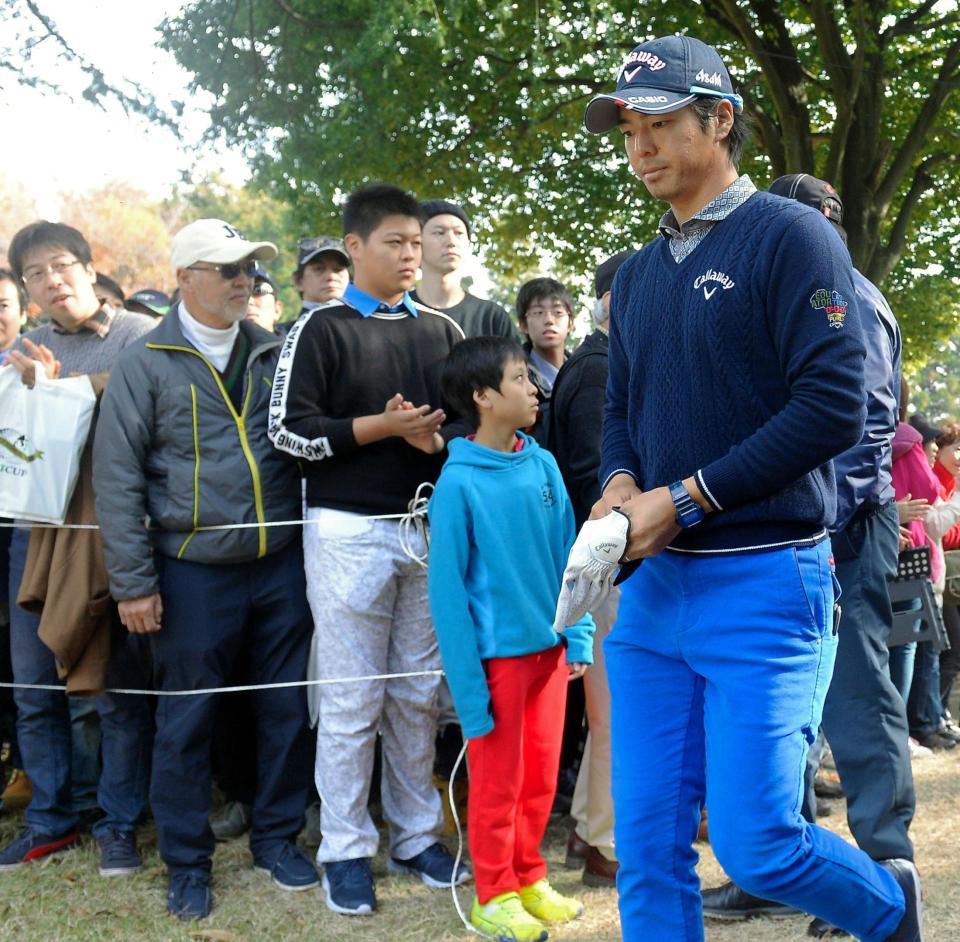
pixel 740 365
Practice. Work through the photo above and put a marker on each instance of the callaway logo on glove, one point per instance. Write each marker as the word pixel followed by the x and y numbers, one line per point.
pixel 592 566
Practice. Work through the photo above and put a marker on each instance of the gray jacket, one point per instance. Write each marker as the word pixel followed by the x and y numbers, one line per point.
pixel 171 447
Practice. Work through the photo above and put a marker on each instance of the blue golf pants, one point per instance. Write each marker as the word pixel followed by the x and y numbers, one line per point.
pixel 718 668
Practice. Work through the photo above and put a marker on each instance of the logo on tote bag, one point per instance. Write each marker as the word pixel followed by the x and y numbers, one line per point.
pixel 22 450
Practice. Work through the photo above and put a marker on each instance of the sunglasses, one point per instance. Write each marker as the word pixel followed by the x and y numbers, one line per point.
pixel 231 270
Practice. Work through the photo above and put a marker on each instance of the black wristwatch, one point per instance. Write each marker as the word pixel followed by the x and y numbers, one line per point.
pixel 689 512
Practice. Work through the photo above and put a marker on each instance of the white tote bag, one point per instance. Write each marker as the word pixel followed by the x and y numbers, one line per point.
pixel 42 434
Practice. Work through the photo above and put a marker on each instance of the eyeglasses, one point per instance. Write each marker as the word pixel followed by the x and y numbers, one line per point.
pixel 263 288
pixel 231 270
pixel 36 275
pixel 540 314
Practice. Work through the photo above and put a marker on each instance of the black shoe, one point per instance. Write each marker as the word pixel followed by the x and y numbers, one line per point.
pixel 188 895
pixel 821 929
pixel 730 902
pixel 911 926
pixel 936 742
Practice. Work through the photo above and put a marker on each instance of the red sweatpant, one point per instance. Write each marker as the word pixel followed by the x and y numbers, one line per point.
pixel 513 770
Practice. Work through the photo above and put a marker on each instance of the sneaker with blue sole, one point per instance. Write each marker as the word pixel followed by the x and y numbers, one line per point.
pixel 33 845
pixel 434 866
pixel 188 895
pixel 291 869
pixel 349 887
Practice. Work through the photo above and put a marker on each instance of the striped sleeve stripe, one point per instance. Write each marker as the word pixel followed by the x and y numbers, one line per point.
pixel 312 449
pixel 706 491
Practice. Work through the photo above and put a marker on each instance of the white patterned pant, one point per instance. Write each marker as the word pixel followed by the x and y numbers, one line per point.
pixel 371 616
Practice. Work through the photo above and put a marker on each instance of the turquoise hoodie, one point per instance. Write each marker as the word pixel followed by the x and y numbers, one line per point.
pixel 501 526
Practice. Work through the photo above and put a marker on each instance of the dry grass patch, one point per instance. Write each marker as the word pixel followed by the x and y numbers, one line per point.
pixel 65 899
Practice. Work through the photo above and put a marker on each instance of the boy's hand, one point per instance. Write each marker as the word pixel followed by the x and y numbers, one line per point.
pixel 592 565
pixel 430 442
pixel 402 418
pixel 576 671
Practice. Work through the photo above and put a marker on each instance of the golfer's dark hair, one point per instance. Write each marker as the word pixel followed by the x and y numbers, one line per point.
pixel 7 275
pixel 475 364
pixel 542 289
pixel 43 234
pixel 365 208
pixel 705 108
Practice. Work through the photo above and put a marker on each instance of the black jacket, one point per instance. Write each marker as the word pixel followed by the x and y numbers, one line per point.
pixel 575 421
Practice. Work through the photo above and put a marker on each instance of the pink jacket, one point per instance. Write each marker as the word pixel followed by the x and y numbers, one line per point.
pixel 913 475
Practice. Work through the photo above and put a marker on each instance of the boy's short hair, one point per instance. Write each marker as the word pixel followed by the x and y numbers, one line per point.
pixel 365 208
pixel 540 289
pixel 43 233
pixel 474 364
pixel 7 275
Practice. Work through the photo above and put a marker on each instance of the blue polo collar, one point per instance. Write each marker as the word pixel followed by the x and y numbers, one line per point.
pixel 367 305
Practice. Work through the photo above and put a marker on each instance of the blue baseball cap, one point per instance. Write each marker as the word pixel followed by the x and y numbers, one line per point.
pixel 661 76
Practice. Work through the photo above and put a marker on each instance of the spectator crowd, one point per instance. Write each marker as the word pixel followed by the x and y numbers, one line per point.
pixel 258 481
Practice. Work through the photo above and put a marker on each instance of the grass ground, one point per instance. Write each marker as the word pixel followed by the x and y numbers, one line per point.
pixel 64 899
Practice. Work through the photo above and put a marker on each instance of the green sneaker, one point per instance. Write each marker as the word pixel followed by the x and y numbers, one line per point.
pixel 546 904
pixel 504 918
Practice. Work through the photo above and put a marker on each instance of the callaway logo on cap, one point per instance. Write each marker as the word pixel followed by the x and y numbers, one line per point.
pixel 661 76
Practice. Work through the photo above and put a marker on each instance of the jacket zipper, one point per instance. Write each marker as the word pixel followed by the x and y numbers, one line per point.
pixel 240 422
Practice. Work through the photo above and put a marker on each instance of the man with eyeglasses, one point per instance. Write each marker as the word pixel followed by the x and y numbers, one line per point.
pixel 545 312
pixel 183 441
pixel 83 336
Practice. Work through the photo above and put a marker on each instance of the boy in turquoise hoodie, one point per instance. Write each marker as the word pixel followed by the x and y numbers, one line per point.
pixel 501 526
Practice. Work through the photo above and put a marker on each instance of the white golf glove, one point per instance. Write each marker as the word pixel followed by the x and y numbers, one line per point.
pixel 592 565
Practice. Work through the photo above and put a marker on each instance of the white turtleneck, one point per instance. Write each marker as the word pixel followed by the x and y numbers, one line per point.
pixel 213 342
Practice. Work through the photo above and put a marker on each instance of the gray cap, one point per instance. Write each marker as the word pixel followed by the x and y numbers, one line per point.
pixel 309 249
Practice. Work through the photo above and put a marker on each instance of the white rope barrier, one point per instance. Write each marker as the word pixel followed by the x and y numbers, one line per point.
pixel 205 690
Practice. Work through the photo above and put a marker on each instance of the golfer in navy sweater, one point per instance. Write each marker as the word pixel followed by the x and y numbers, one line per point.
pixel 736 375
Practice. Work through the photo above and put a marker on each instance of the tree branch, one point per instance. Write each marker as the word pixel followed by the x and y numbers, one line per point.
pixel 917 135
pixel 907 24
pixel 885 258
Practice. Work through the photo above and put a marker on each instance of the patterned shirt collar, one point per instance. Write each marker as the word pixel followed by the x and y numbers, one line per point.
pixel 99 324
pixel 368 305
pixel 685 237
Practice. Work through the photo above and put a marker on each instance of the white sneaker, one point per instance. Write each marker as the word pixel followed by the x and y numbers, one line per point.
pixel 917 751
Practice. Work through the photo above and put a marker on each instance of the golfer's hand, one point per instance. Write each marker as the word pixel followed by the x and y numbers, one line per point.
pixel 592 565
pixel 620 488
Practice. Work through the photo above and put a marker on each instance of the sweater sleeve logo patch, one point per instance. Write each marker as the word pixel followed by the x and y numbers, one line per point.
pixel 722 281
pixel 832 303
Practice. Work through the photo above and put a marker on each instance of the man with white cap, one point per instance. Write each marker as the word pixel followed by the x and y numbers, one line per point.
pixel 183 441
pixel 735 376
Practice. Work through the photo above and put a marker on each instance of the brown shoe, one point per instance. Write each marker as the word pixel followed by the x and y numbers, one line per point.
pixel 598 871
pixel 703 830
pixel 18 792
pixel 577 850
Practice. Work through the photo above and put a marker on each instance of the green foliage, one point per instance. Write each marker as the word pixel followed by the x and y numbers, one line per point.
pixel 482 101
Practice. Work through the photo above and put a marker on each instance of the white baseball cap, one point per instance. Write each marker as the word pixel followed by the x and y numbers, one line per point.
pixel 215 241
